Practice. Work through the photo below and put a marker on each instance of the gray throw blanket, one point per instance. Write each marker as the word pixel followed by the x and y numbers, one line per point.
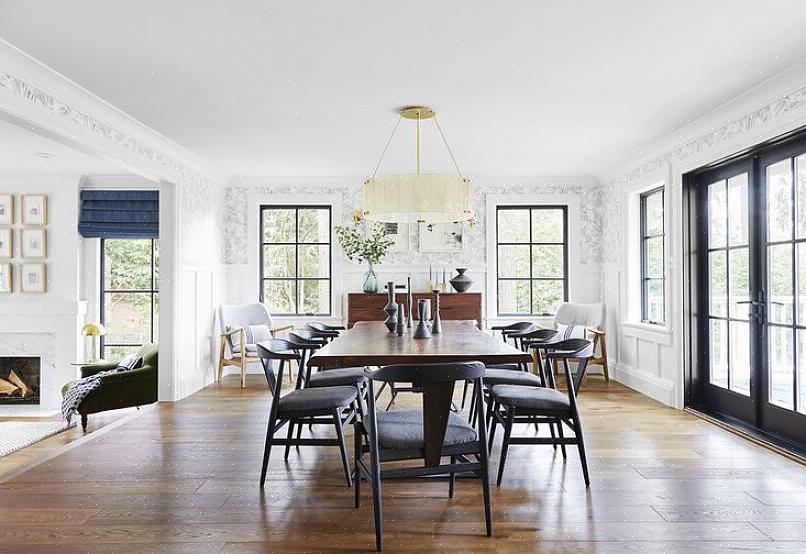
pixel 80 390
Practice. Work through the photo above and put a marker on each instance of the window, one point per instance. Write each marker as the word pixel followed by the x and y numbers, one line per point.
pixel 130 293
pixel 532 259
pixel 295 259
pixel 653 305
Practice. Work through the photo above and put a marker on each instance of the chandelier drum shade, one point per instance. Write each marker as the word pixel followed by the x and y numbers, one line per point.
pixel 418 197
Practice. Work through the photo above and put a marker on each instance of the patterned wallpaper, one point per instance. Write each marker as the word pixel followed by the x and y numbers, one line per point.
pixel 614 198
pixel 589 197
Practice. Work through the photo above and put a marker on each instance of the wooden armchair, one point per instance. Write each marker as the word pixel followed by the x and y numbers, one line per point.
pixel 585 321
pixel 236 349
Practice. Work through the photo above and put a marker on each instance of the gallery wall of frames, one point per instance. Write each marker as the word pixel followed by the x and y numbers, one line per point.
pixel 23 243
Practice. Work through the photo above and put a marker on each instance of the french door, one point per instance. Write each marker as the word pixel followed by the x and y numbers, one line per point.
pixel 749 241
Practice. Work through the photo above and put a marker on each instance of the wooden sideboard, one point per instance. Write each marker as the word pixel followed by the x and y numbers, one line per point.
pixel 453 306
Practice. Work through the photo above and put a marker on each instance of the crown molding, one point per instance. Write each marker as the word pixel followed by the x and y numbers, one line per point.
pixel 38 96
pixel 771 108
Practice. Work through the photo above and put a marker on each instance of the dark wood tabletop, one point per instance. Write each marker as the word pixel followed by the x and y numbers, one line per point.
pixel 369 343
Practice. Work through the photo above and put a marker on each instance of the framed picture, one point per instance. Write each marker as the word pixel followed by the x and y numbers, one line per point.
pixel 34 244
pixel 400 232
pixel 6 243
pixel 441 237
pixel 6 209
pixel 6 280
pixel 34 209
pixel 33 278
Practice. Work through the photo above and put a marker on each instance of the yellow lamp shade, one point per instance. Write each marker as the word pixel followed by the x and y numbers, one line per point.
pixel 423 198
pixel 93 330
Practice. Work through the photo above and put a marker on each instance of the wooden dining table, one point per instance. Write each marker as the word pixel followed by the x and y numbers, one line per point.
pixel 369 343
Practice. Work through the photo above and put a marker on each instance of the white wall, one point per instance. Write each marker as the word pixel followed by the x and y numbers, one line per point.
pixel 241 242
pixel 645 358
pixel 46 324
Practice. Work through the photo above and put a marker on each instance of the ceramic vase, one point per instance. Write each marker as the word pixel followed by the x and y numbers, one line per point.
pixel 422 331
pixel 436 324
pixel 391 307
pixel 400 327
pixel 461 282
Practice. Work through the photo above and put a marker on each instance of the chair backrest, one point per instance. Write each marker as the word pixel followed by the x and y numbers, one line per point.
pixel 305 337
pixel 571 315
pixel 572 349
pixel 437 382
pixel 276 349
pixel 240 315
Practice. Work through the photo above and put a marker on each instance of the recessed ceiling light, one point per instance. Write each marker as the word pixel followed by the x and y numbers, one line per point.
pixel 45 155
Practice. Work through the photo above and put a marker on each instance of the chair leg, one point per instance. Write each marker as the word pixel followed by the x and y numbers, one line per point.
pixel 581 446
pixel 560 433
pixel 288 437
pixel 220 370
pixel 553 436
pixel 492 406
pixel 464 394
pixel 243 372
pixel 84 423
pixel 357 472
pixel 603 347
pixel 377 504
pixel 452 479
pixel 505 444
pixel 342 446
pixel 267 451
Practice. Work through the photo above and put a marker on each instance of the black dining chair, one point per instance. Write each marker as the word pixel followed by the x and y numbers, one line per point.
pixel 323 405
pixel 320 331
pixel 428 435
pixel 523 404
pixel 519 374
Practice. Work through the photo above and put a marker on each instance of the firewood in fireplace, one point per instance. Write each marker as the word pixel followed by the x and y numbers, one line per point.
pixel 25 390
pixel 9 389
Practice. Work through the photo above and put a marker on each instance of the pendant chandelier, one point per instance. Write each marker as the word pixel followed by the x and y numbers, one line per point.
pixel 418 197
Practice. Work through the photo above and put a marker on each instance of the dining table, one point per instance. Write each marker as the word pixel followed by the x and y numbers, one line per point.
pixel 369 343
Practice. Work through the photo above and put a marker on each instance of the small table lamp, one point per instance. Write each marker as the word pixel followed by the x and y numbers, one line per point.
pixel 93 330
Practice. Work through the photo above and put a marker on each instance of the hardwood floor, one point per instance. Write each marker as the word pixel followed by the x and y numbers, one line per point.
pixel 184 478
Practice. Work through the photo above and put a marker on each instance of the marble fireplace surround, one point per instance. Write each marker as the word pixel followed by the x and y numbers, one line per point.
pixel 48 330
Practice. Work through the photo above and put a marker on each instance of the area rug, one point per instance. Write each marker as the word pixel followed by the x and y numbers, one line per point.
pixel 15 435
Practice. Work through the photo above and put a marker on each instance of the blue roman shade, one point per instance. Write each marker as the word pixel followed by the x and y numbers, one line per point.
pixel 117 214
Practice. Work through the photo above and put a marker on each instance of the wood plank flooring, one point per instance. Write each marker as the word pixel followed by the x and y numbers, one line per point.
pixel 183 478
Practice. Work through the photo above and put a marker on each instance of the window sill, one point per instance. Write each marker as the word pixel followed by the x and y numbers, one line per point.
pixel 647 331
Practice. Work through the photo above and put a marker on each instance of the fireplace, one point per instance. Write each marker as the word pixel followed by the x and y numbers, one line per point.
pixel 19 380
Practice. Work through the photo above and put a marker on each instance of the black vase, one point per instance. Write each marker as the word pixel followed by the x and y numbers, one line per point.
pixel 422 331
pixel 461 282
pixel 390 308
pixel 436 324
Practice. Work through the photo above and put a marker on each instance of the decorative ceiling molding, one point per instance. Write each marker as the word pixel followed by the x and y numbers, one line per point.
pixel 765 115
pixel 52 106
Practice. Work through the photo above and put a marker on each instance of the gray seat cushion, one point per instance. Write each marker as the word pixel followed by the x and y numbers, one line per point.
pixel 494 377
pixel 540 399
pixel 403 430
pixel 251 349
pixel 314 400
pixel 337 377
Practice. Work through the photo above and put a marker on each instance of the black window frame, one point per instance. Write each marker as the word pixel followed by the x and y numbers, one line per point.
pixel 297 244
pixel 531 207
pixel 644 269
pixel 152 292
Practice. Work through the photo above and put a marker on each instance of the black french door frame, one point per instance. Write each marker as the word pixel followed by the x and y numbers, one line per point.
pixel 755 413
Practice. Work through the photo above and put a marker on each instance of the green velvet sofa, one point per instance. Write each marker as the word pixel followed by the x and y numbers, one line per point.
pixel 135 387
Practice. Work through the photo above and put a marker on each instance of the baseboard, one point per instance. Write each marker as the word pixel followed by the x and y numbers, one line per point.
pixel 647 384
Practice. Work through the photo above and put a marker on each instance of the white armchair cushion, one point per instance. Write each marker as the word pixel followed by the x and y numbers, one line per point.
pixel 253 334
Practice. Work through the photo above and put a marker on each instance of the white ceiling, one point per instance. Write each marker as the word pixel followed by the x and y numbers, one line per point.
pixel 310 88
pixel 26 153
